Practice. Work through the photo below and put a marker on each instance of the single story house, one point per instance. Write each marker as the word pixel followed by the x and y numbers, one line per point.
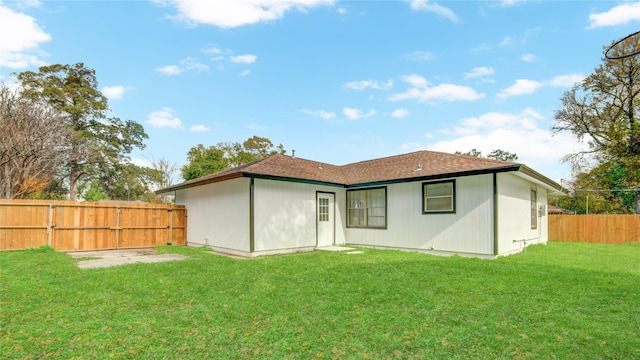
pixel 421 201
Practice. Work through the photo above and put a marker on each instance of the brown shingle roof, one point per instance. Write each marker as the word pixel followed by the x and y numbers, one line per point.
pixel 419 164
pixel 416 165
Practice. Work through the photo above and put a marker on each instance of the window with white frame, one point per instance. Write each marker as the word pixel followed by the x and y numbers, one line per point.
pixel 439 197
pixel 367 208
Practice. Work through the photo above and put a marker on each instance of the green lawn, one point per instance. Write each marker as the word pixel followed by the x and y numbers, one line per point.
pixel 559 301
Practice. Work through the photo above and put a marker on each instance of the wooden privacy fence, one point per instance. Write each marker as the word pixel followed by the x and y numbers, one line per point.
pixel 76 226
pixel 602 229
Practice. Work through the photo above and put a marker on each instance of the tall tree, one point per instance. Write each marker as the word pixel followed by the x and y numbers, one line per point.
pixel 602 190
pixel 252 149
pixel 95 139
pixel 32 144
pixel 165 172
pixel 203 161
pixel 602 111
pixel 503 155
pixel 497 154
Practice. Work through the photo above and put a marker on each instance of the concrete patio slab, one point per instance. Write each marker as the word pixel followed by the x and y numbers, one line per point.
pixel 108 258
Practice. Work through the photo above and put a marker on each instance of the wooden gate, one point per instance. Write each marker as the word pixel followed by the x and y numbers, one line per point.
pixel 76 226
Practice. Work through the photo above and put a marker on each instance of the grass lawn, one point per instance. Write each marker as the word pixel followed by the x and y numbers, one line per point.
pixel 559 301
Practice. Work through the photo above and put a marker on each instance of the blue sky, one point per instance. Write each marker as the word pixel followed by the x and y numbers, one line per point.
pixel 337 81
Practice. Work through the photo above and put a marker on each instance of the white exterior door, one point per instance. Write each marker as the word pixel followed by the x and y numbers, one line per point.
pixel 325 218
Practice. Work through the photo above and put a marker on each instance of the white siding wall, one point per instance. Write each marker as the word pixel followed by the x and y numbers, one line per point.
pixel 285 215
pixel 218 215
pixel 468 231
pixel 514 213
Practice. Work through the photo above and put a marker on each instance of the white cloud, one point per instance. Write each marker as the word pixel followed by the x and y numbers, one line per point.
pixel 521 87
pixel 400 113
pixel 169 70
pixel 420 56
pixel 373 84
pixel 521 133
pixel 327 115
pixel 21 48
pixel 185 64
pixel 198 128
pixel 244 59
pixel 356 114
pixel 479 72
pixel 568 80
pixel 212 51
pixel 495 120
pixel 429 6
pixel 528 58
pixel 245 73
pixel 229 14
pixel 24 4
pixel 216 53
pixel 510 2
pixel 617 15
pixel 341 11
pixel 415 80
pixel 164 118
pixel 526 87
pixel 193 64
pixel 506 41
pixel 114 92
pixel 421 91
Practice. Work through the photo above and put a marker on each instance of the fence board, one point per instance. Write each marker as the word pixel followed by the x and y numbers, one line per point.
pixel 77 226
pixel 603 229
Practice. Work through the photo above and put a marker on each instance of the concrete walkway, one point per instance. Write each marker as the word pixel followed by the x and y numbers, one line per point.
pixel 107 258
pixel 334 248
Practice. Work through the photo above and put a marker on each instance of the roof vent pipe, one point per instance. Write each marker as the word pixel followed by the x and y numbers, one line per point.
pixel 293 153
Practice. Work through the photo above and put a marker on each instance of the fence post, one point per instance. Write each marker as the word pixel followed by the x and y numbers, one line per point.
pixel 170 227
pixel 50 226
pixel 117 228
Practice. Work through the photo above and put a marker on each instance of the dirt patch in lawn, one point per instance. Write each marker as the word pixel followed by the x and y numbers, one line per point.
pixel 108 258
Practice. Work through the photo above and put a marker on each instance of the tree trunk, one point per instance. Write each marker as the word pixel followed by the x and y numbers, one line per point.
pixel 73 183
pixel 7 182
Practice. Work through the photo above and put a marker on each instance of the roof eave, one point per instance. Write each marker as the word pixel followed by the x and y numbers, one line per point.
pixel 186 185
pixel 543 180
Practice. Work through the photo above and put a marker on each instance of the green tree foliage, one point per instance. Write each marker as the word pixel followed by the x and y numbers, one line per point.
pixel 93 192
pixel 602 112
pixel 503 155
pixel 203 161
pixel 497 154
pixel 96 142
pixel 603 190
pixel 254 148
pixel 126 181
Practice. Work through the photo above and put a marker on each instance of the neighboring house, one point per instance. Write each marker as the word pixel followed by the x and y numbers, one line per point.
pixel 559 211
pixel 422 201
